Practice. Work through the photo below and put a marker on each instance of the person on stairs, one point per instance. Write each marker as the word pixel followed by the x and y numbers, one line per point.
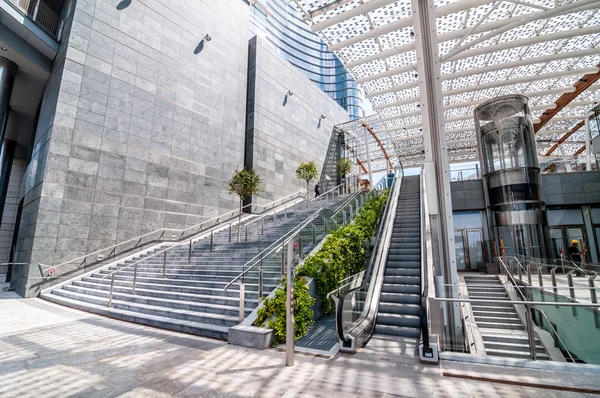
pixel 317 193
pixel 575 254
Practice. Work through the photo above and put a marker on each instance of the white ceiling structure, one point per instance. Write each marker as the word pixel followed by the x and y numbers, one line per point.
pixel 539 48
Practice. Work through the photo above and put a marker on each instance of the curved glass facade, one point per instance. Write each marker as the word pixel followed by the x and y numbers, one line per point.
pixel 277 21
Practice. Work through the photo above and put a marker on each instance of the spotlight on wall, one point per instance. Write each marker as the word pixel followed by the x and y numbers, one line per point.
pixel 289 93
pixel 323 117
pixel 3 48
pixel 123 4
pixel 200 46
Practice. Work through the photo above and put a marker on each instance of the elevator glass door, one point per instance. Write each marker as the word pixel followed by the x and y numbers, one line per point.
pixel 469 248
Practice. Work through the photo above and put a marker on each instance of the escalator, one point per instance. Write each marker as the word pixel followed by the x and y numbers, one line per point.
pixel 399 303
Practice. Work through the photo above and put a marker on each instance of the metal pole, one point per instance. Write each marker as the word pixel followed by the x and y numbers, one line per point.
pixel 351 212
pixel 571 286
pixel 325 223
pixel 314 234
pixel 553 277
pixel 134 278
pixel 112 284
pixel 190 252
pixel 242 301
pixel 529 274
pixel 368 155
pixel 520 272
pixel 530 334
pixel 289 327
pixel 260 280
pixel 211 241
pixel 229 233
pixel 274 219
pixel 283 260
pixel 285 212
pixel 593 295
pixel 540 280
pixel 344 218
pixel 165 263
pixel 588 145
pixel 246 233
pixel 300 246
pixel 262 227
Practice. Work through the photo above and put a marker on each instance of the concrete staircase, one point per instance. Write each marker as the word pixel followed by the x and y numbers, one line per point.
pixel 500 327
pixel 399 304
pixel 190 298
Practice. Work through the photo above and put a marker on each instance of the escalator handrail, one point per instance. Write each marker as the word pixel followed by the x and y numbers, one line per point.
pixel 377 256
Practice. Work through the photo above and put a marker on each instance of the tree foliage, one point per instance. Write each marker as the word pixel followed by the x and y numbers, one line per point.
pixel 344 166
pixel 244 183
pixel 307 171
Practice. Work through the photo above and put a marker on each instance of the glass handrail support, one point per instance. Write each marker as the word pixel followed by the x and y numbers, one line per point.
pixel 357 297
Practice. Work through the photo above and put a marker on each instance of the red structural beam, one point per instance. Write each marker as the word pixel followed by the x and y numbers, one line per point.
pixel 361 164
pixel 565 99
pixel 579 151
pixel 370 130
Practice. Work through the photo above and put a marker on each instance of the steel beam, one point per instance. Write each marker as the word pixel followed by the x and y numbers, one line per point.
pixel 565 137
pixel 583 84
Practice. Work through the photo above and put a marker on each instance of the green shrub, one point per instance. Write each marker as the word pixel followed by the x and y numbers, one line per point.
pixel 341 255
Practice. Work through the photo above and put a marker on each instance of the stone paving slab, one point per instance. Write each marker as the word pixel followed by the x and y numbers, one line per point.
pixel 51 351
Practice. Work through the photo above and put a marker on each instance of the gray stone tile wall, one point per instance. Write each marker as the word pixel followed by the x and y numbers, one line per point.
pixel 287 132
pixel 136 132
pixel 10 212
pixel 467 195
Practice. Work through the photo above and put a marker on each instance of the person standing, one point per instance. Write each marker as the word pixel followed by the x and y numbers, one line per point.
pixel 317 193
pixel 574 252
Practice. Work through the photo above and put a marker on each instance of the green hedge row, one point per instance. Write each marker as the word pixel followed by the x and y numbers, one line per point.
pixel 341 255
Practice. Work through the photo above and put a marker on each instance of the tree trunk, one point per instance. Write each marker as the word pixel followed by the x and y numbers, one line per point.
pixel 240 220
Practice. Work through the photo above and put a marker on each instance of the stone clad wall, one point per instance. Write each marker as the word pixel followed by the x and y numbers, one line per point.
pixel 286 130
pixel 136 132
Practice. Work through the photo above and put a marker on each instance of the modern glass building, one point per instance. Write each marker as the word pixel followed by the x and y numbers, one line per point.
pixel 277 21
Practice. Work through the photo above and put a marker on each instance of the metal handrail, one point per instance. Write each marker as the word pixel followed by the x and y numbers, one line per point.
pixel 383 237
pixel 491 301
pixel 512 279
pixel 425 242
pixel 325 194
pixel 232 214
pixel 272 248
pixel 555 333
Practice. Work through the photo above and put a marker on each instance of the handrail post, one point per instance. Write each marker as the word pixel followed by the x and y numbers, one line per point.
pixel 300 246
pixel 262 227
pixel 230 232
pixel 274 219
pixel 553 278
pixel 520 272
pixel 314 235
pixel 283 260
pixel 246 233
pixel 344 218
pixel 242 301
pixel 571 286
pixel 112 285
pixel 211 241
pixel 325 224
pixel 530 335
pixel 529 274
pixel 260 282
pixel 165 263
pixel 134 278
pixel 190 253
pixel 593 295
pixel 351 212
pixel 540 280
pixel 285 212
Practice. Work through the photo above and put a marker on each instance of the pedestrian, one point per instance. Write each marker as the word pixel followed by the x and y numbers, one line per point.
pixel 317 193
pixel 574 253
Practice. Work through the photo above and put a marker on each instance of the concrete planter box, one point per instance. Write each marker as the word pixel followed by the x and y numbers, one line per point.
pixel 251 336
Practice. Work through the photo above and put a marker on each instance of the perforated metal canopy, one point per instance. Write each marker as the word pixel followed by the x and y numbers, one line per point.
pixel 539 48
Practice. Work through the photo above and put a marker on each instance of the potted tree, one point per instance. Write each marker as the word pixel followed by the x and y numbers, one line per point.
pixel 243 183
pixel 344 166
pixel 307 172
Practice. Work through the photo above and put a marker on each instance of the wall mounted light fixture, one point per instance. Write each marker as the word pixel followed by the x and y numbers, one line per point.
pixel 289 93
pixel 200 46
pixel 323 117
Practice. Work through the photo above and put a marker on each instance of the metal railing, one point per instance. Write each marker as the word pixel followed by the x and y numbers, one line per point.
pixel 188 243
pixel 468 173
pixel 426 258
pixel 42 15
pixel 356 296
pixel 279 246
pixel 161 235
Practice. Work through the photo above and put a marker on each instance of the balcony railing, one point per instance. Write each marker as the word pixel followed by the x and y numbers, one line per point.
pixel 42 15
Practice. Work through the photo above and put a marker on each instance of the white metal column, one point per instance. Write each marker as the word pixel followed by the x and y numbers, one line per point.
pixel 436 159
pixel 368 157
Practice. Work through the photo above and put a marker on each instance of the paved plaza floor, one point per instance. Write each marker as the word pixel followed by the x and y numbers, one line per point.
pixel 51 351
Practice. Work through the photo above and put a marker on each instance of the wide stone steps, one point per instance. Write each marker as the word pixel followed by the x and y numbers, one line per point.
pixel 191 296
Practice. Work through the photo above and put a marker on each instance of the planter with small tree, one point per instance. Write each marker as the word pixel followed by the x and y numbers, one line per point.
pixel 243 183
pixel 344 166
pixel 307 172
